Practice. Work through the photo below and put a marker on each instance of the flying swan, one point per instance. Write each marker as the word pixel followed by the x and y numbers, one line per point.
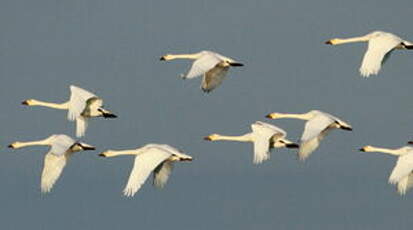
pixel 264 136
pixel 316 128
pixel 211 65
pixel 158 158
pixel 402 173
pixel 380 46
pixel 62 148
pixel 82 105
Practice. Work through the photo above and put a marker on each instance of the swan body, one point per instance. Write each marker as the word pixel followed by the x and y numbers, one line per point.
pixel 81 106
pixel 61 149
pixel 213 66
pixel 264 136
pixel 380 45
pixel 316 128
pixel 156 158
pixel 402 174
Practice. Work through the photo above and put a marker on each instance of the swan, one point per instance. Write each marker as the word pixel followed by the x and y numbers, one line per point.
pixel 81 106
pixel 316 128
pixel 380 46
pixel 211 65
pixel 264 136
pixel 158 158
pixel 61 149
pixel 402 173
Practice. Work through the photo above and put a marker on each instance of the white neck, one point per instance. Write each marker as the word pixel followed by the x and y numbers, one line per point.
pixel 113 153
pixel 301 116
pixel 183 56
pixel 395 152
pixel 351 40
pixel 18 145
pixel 243 138
pixel 64 106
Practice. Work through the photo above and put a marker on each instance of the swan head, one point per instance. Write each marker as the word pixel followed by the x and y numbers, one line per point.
pixel 334 41
pixel 15 145
pixel 29 102
pixel 367 148
pixel 273 115
pixel 80 146
pixel 167 57
pixel 212 137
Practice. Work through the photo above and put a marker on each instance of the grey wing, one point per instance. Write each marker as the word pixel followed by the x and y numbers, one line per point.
pixel 77 102
pixel 202 65
pixel 214 77
pixel 161 173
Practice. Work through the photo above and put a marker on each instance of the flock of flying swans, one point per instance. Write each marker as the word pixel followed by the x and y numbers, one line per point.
pixel 159 158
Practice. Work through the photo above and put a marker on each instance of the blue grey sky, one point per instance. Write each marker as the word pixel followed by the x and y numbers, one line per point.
pixel 112 48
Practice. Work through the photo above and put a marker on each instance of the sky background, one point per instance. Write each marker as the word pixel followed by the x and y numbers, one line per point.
pixel 112 48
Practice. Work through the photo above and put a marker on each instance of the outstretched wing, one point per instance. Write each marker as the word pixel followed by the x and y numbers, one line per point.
pixel 262 133
pixel 202 65
pixel 77 102
pixel 376 52
pixel 405 184
pixel 403 168
pixel 214 77
pixel 81 126
pixel 161 173
pixel 52 168
pixel 144 164
pixel 60 144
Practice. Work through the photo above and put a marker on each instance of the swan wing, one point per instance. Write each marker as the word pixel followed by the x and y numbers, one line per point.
pixel 405 184
pixel 81 126
pixel 378 48
pixel 144 164
pixel 202 65
pixel 315 126
pixel 214 77
pixel 52 168
pixel 262 134
pixel 77 102
pixel 403 168
pixel 161 173
pixel 60 144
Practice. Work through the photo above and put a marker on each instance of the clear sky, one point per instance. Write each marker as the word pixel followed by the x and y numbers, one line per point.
pixel 112 48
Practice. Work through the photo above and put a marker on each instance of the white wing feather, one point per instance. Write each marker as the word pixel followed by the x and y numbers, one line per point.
pixel 60 144
pixel 161 174
pixel 202 65
pixel 315 126
pixel 53 167
pixel 81 126
pixel 403 168
pixel 405 184
pixel 378 47
pixel 77 102
pixel 144 164
pixel 262 133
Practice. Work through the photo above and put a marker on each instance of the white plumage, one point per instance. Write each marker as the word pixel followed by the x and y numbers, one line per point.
pixel 152 157
pixel 380 45
pixel 61 149
pixel 211 65
pixel 264 136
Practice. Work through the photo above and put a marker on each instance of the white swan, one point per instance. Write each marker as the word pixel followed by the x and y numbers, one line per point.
pixel 380 46
pixel 316 128
pixel 82 105
pixel 61 149
pixel 402 173
pixel 264 136
pixel 151 157
pixel 212 66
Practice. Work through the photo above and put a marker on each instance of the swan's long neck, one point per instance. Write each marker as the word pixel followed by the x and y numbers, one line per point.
pixel 301 116
pixel 113 153
pixel 64 105
pixel 243 138
pixel 339 41
pixel 183 56
pixel 18 145
pixel 395 152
